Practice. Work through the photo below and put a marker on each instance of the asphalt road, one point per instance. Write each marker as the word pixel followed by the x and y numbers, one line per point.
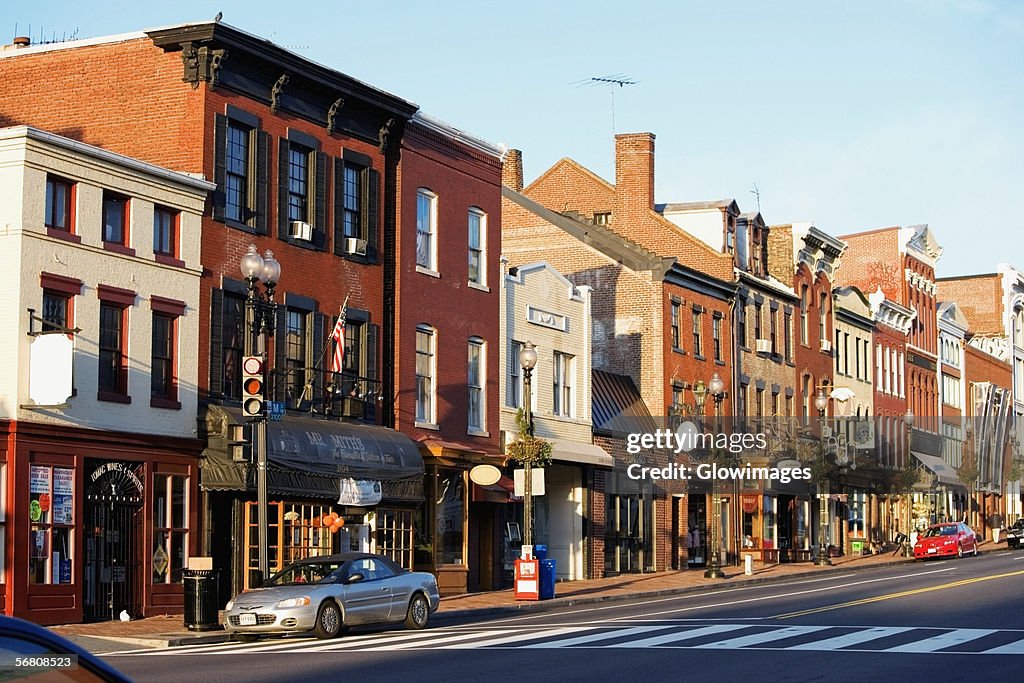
pixel 936 621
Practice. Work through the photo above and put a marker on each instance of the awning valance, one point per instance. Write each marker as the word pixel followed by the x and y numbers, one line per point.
pixel 581 453
pixel 944 474
pixel 308 457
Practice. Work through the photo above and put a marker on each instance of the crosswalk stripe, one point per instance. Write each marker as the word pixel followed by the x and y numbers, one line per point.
pixel 766 637
pixel 411 643
pixel 1014 648
pixel 594 637
pixel 855 638
pixel 525 635
pixel 683 635
pixel 960 635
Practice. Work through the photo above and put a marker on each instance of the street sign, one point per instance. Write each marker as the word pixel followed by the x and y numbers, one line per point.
pixel 276 410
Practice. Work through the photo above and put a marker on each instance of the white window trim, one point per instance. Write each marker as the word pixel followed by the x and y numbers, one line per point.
pixel 480 430
pixel 482 216
pixel 430 423
pixel 570 372
pixel 429 268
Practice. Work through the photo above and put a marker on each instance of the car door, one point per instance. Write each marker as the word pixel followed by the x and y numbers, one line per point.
pixel 364 600
pixel 970 540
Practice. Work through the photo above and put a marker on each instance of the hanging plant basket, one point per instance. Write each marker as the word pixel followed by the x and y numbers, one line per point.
pixel 530 450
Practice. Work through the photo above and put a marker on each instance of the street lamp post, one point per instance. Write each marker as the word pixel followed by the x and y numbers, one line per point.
pixel 260 312
pixel 908 549
pixel 716 387
pixel 821 403
pixel 528 361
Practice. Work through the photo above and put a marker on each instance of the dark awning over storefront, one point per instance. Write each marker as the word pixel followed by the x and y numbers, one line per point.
pixel 944 474
pixel 308 457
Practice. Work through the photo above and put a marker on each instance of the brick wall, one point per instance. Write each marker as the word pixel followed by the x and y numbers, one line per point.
pixel 873 260
pixel 980 297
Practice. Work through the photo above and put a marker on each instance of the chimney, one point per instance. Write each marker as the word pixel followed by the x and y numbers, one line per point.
pixel 21 41
pixel 512 170
pixel 634 170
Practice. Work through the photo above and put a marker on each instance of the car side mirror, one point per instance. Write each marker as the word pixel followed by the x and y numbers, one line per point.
pixel 355 578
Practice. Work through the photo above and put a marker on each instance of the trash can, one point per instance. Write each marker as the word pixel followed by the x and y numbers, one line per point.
pixel 540 552
pixel 201 604
pixel 547 579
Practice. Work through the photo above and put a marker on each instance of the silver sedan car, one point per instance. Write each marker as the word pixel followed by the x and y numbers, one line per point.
pixel 328 593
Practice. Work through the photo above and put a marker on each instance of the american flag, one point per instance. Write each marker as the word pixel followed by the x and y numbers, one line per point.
pixel 338 335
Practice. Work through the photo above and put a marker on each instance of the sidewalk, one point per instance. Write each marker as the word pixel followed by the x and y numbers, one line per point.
pixel 169 630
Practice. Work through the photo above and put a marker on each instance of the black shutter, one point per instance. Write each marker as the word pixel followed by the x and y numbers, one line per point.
pixel 282 189
pixel 339 205
pixel 280 383
pixel 323 353
pixel 373 389
pixel 372 212
pixel 220 151
pixel 262 173
pixel 320 201
pixel 216 389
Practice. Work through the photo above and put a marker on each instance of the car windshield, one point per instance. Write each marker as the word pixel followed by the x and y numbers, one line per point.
pixel 940 531
pixel 307 572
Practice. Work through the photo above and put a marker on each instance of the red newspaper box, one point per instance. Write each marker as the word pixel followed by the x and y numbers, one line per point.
pixel 527 582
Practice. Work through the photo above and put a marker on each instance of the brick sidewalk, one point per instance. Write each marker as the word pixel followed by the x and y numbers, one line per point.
pixel 169 630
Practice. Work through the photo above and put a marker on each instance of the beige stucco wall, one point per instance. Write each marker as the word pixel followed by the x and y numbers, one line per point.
pixel 26 250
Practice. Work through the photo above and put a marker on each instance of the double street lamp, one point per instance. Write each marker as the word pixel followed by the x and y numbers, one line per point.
pixel 528 361
pixel 821 403
pixel 260 311
pixel 716 388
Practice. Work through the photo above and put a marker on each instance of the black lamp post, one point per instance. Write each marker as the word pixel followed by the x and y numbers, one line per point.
pixel 716 387
pixel 260 312
pixel 822 560
pixel 908 549
pixel 528 361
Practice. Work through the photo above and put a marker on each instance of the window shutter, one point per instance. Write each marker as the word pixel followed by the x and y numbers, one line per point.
pixel 262 171
pixel 282 189
pixel 372 332
pixel 339 204
pixel 220 151
pixel 280 367
pixel 372 212
pixel 320 202
pixel 216 344
pixel 322 349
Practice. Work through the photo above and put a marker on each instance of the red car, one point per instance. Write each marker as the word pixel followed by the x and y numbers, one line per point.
pixel 946 540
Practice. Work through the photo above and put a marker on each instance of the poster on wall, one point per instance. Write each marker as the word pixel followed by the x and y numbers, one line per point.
pixel 39 479
pixel 63 487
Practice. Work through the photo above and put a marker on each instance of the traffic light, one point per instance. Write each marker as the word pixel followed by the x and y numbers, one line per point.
pixel 253 386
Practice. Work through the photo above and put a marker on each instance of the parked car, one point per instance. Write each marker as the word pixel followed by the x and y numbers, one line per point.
pixel 33 652
pixel 1015 534
pixel 329 593
pixel 946 540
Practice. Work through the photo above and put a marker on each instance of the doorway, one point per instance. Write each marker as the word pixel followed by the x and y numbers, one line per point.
pixel 113 528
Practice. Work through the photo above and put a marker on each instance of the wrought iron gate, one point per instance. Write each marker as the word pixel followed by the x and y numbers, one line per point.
pixel 113 528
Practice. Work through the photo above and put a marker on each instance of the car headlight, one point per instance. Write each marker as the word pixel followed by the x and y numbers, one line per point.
pixel 227 607
pixel 293 602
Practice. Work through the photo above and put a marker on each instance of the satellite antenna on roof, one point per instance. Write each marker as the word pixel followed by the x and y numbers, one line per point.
pixel 757 194
pixel 613 80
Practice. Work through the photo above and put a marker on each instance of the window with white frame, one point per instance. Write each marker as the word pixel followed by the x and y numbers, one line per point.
pixel 477 247
pixel 426 364
pixel 514 388
pixel 476 372
pixel 170 527
pixel 564 370
pixel 426 229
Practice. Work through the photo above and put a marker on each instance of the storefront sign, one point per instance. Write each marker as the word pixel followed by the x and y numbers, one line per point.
pixel 360 492
pixel 49 375
pixel 63 481
pixel 485 475
pixel 160 560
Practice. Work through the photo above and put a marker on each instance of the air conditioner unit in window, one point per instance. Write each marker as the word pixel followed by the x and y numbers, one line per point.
pixel 301 231
pixel 763 346
pixel 826 346
pixel 355 246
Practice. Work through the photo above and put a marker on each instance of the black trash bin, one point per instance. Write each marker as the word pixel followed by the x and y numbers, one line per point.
pixel 201 603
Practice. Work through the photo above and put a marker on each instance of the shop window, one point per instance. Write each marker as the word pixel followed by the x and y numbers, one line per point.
pixel 395 535
pixel 3 518
pixel 855 523
pixel 768 513
pixel 170 527
pixel 296 531
pixel 448 504
pixel 749 522
pixel 51 531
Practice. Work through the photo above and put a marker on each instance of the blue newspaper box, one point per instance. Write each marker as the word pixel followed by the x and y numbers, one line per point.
pixel 547 579
pixel 540 552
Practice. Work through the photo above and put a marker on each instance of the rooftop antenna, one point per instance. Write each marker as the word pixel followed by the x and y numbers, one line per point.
pixel 620 80
pixel 757 194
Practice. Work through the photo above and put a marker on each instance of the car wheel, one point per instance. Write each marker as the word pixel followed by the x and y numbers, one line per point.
pixel 959 550
pixel 328 621
pixel 419 612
